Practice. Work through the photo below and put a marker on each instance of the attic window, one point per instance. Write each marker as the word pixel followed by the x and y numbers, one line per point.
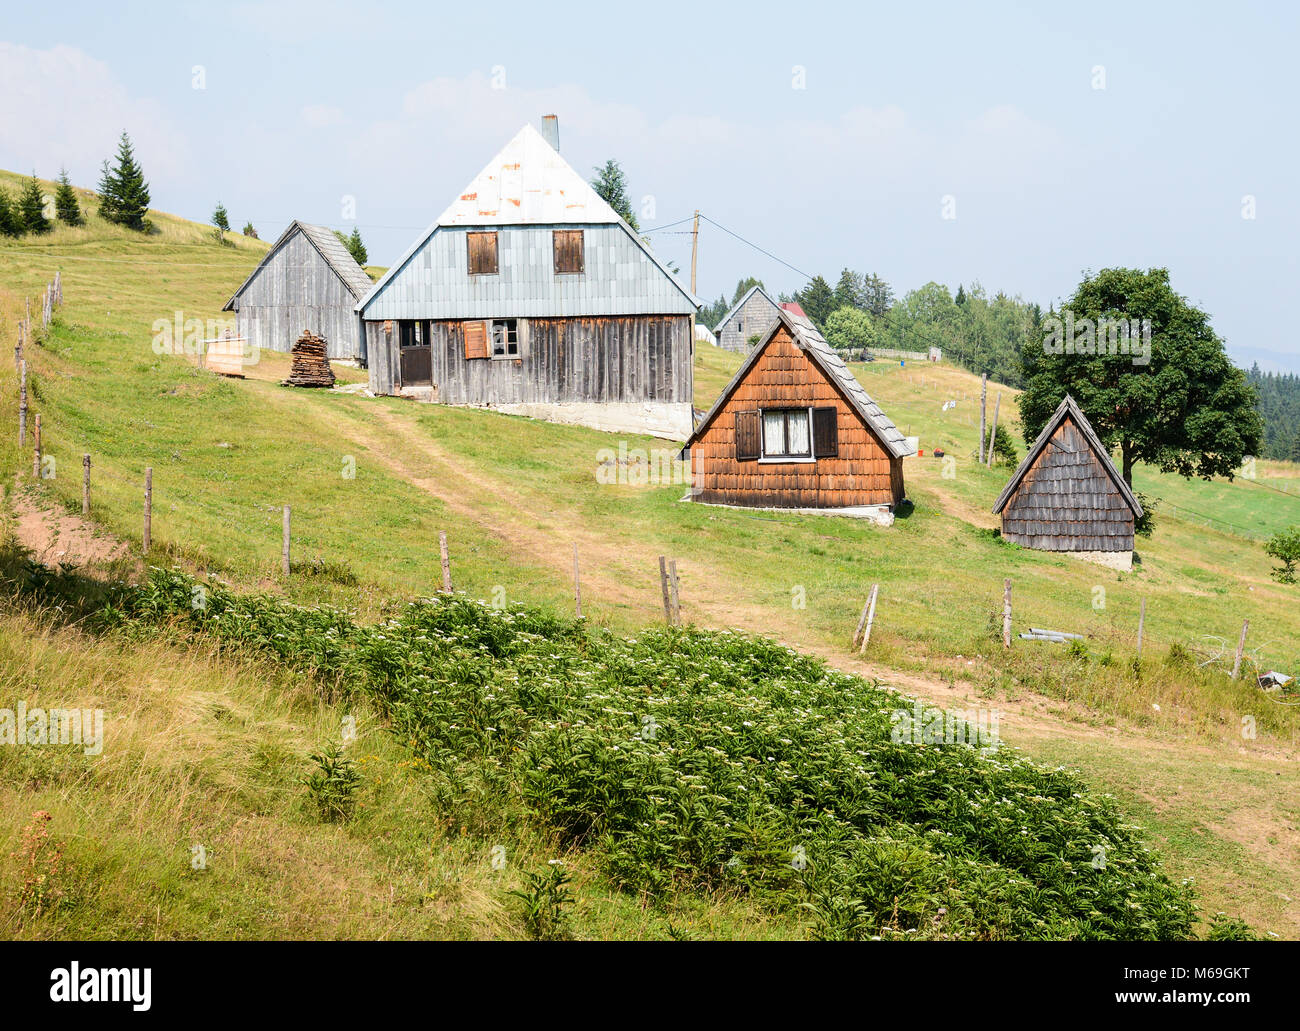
pixel 482 254
pixel 568 251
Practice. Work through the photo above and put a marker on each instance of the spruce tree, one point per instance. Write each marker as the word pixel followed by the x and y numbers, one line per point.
pixel 31 207
pixel 354 245
pixel 107 193
pixel 124 192
pixel 221 220
pixel 250 232
pixel 10 224
pixel 611 186
pixel 357 249
pixel 65 201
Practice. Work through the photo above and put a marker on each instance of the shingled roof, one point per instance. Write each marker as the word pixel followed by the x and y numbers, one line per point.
pixel 331 248
pixel 814 345
pixel 1069 409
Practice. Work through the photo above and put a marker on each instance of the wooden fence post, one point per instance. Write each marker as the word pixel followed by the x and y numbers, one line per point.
pixel 36 452
pixel 85 486
pixel 446 561
pixel 1006 613
pixel 993 432
pixel 285 563
pixel 148 507
pixel 1142 619
pixel 984 399
pixel 672 590
pixel 1241 647
pixel 577 582
pixel 871 618
pixel 862 621
pixel 22 404
pixel 663 587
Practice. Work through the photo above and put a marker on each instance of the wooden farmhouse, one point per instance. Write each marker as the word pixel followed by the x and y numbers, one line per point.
pixel 795 429
pixel 1068 496
pixel 751 316
pixel 307 281
pixel 530 295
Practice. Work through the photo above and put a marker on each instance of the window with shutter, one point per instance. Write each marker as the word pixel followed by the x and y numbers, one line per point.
pixel 568 251
pixel 826 436
pixel 747 436
pixel 482 253
pixel 476 339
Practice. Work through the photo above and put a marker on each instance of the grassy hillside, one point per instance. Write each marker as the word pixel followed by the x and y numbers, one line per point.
pixel 515 496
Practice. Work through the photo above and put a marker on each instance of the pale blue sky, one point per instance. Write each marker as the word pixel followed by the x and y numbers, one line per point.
pixel 308 101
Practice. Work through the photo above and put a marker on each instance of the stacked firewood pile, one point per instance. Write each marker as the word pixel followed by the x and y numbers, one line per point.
pixel 311 364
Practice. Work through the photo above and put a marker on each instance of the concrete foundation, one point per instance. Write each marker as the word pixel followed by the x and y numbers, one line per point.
pixel 881 515
pixel 1121 560
pixel 671 421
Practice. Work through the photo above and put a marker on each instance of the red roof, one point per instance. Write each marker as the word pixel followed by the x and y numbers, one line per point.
pixel 793 306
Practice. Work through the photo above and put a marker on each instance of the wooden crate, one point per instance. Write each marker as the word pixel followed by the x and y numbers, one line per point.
pixel 225 355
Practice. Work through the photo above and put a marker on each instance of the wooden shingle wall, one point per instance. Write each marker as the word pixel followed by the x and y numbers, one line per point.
pixel 753 318
pixel 1067 501
pixel 863 473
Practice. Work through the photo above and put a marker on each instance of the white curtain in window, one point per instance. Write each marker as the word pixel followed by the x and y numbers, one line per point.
pixel 798 426
pixel 774 433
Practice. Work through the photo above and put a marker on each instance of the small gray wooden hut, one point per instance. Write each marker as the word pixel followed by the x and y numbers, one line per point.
pixel 751 316
pixel 307 280
pixel 1068 496
pixel 529 294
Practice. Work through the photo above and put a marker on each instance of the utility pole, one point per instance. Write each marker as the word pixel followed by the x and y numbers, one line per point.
pixel 695 247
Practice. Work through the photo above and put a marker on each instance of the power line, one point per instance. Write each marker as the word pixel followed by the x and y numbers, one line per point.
pixel 749 243
pixel 660 229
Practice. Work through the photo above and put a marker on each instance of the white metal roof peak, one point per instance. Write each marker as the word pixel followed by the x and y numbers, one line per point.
pixel 527 182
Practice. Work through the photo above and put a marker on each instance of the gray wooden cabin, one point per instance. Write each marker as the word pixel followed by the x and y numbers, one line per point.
pixel 530 295
pixel 307 280
pixel 752 316
pixel 1068 496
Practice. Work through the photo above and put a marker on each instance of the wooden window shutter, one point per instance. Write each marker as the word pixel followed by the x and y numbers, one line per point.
pixel 747 436
pixel 568 250
pixel 476 339
pixel 482 253
pixel 826 437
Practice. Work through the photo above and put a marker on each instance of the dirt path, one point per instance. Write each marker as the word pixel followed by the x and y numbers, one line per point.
pixel 57 537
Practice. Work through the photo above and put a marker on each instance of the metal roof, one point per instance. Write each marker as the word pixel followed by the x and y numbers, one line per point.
pixel 1069 408
pixel 527 183
pixel 331 248
pixel 813 344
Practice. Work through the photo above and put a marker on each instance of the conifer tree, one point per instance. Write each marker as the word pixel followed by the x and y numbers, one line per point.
pixel 354 245
pixel 249 231
pixel 221 220
pixel 65 201
pixel 31 207
pixel 124 194
pixel 10 223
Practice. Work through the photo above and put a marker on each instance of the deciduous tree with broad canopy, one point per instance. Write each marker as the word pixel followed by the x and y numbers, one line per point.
pixel 1189 410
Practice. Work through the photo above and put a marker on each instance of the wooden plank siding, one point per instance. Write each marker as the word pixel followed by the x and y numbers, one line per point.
pixel 862 473
pixel 297 290
pixel 616 358
pixel 752 317
pixel 1067 501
